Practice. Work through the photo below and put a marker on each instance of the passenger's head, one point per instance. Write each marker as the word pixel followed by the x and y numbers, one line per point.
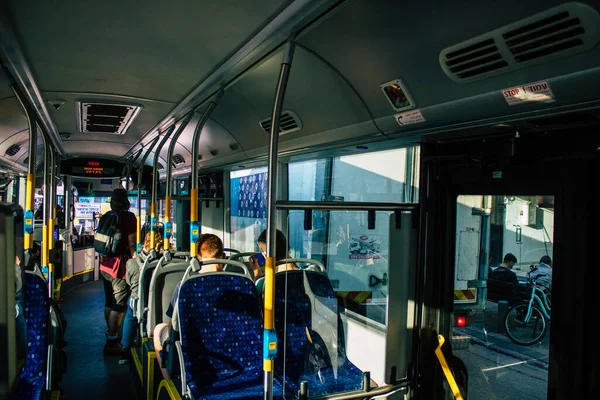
pixel 281 244
pixel 546 260
pixel 210 246
pixel 159 244
pixel 119 200
pixel 510 260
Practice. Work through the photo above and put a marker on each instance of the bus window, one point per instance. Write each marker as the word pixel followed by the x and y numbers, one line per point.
pixel 503 256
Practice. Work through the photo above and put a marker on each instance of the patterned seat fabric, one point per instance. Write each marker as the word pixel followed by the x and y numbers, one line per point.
pixel 32 382
pixel 221 335
pixel 293 317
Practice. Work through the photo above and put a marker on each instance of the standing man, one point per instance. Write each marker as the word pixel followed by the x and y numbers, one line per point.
pixel 112 270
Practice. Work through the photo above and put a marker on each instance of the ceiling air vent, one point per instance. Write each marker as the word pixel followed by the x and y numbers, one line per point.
pixel 13 150
pixel 559 32
pixel 556 33
pixel 178 159
pixel 26 160
pixel 289 122
pixel 106 118
pixel 160 167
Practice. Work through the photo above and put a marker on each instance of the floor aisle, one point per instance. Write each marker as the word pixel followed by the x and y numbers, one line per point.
pixel 90 375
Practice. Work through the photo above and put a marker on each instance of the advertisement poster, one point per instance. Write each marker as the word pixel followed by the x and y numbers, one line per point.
pixel 364 247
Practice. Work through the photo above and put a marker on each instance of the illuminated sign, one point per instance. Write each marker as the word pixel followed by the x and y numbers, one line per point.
pixel 92 168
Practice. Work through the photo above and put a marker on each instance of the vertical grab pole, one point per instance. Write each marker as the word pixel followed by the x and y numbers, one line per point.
pixel 30 186
pixel 168 225
pixel 51 200
pixel 139 195
pixel 270 336
pixel 47 208
pixel 194 226
pixel 129 165
pixel 155 178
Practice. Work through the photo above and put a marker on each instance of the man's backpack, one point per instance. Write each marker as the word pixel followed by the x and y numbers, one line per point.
pixel 108 235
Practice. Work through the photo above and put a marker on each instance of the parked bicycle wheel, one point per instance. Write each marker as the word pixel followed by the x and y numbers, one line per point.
pixel 522 330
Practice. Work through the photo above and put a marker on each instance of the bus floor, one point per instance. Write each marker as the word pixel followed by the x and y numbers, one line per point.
pixel 91 375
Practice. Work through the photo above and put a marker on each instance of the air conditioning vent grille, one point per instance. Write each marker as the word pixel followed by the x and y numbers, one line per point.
pixel 544 37
pixel 106 118
pixel 26 160
pixel 160 167
pixel 178 159
pixel 562 31
pixel 13 150
pixel 475 59
pixel 288 122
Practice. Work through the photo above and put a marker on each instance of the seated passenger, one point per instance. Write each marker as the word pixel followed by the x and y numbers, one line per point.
pixel 544 272
pixel 210 246
pixel 281 252
pixel 132 277
pixel 503 281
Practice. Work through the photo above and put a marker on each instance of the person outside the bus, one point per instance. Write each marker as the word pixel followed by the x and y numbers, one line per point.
pixel 544 272
pixel 502 281
pixel 112 270
pixel 132 277
pixel 281 252
pixel 209 246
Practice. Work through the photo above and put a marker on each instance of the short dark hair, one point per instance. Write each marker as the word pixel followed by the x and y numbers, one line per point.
pixel 546 260
pixel 211 246
pixel 281 244
pixel 119 200
pixel 509 257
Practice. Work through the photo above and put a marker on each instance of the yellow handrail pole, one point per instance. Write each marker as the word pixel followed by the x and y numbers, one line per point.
pixel 270 336
pixel 194 225
pixel 167 242
pixel 194 229
pixel 139 195
pixel 30 183
pixel 168 228
pixel 155 179
pixel 446 369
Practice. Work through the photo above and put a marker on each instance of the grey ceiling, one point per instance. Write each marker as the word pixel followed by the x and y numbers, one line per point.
pixel 154 55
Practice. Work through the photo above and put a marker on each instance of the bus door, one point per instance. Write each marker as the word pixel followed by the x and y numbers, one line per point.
pixel 499 226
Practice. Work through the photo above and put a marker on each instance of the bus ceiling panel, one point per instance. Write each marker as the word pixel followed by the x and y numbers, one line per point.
pixel 12 119
pixel 569 93
pixel 317 100
pixel 157 51
pixel 102 149
pixel 215 142
pixel 374 42
pixel 68 116
pixel 5 89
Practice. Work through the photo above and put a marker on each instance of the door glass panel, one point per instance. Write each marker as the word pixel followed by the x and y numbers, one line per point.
pixel 335 317
pixel 503 259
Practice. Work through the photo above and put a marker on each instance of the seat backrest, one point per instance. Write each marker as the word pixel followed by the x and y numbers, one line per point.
pixel 32 382
pixel 162 285
pixel 220 327
pixel 242 257
pixel 292 318
pixel 306 309
pixel 147 269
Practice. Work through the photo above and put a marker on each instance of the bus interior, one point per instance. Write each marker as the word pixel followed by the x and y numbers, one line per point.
pixel 409 153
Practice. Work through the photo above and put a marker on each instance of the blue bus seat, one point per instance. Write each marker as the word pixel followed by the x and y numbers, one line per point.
pixel 307 317
pixel 32 381
pixel 221 332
